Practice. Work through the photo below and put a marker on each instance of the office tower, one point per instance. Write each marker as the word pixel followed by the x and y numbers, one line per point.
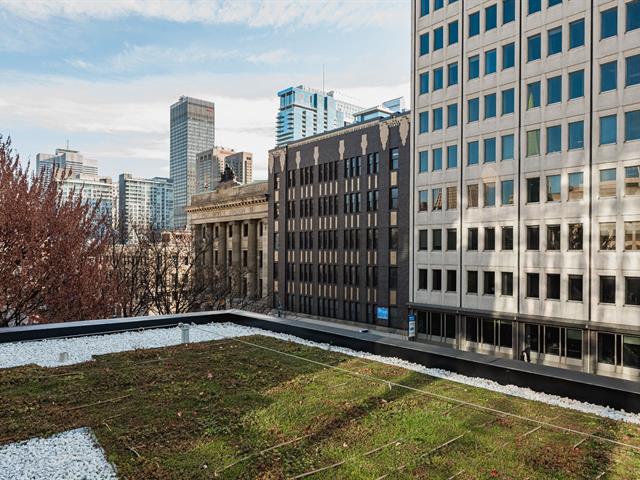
pixel 144 203
pixel 70 162
pixel 340 223
pixel 526 180
pixel 95 191
pixel 211 163
pixel 192 132
pixel 304 112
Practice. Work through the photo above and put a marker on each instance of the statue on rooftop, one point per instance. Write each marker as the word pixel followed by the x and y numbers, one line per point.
pixel 228 174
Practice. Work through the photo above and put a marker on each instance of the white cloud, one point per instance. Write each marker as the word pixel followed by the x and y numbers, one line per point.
pixel 255 13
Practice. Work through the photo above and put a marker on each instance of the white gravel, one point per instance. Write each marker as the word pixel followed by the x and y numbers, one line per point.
pixel 72 455
pixel 46 353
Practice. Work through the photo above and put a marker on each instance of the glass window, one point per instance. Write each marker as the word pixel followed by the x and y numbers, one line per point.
pixel 490 61
pixel 452 198
pixel 424 44
pixel 438 38
pixel 436 277
pixel 533 95
pixel 423 161
pixel 490 18
pixel 393 198
pixel 608 129
pixel 508 56
pixel 633 15
pixel 452 239
pixel 423 239
pixel 533 237
pixel 474 110
pixel 554 2
pixel 553 286
pixel 490 194
pixel 489 284
pixel 507 238
pixel 437 119
pixel 533 190
pixel 451 281
pixel 452 115
pixel 553 237
pixel 423 200
pixel 534 6
pixel 553 188
pixel 394 158
pixel 436 195
pixel 631 350
pixel 452 156
pixel 438 4
pixel 552 343
pixel 633 70
pixel 607 289
pixel 575 288
pixel 575 236
pixel 507 192
pixel 574 340
pixel 632 290
pixel 576 135
pixel 554 139
pixel 554 90
pixel 424 7
pixel 452 74
pixel 437 159
pixel 608 182
pixel 507 147
pixel 489 150
pixel 607 348
pixel 490 105
pixel 474 24
pixel 576 186
pixel 508 101
pixel 608 76
pixel 576 84
pixel 474 67
pixel 632 181
pixel 632 125
pixel 424 122
pixel 438 79
pixel 436 239
pixel 533 143
pixel 533 285
pixel 507 284
pixel 422 278
pixel 472 281
pixel 508 11
pixel 424 83
pixel 473 153
pixel 472 239
pixel 554 41
pixel 533 48
pixel 609 23
pixel 453 32
pixel 607 236
pixel 576 34
pixel 632 235
pixel 489 239
pixel 472 196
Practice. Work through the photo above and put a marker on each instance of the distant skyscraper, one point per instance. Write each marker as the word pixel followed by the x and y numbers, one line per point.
pixel 145 203
pixel 65 160
pixel 305 112
pixel 192 132
pixel 211 163
pixel 100 191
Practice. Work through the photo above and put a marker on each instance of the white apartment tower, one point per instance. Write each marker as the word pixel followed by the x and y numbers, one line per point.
pixel 526 180
pixel 144 203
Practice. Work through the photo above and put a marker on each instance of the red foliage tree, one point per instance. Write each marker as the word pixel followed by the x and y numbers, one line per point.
pixel 53 251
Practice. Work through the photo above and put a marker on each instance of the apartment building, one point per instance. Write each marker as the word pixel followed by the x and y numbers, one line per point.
pixel 526 180
pixel 144 203
pixel 211 163
pixel 338 216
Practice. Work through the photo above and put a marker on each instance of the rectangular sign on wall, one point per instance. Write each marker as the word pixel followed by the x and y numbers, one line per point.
pixel 382 313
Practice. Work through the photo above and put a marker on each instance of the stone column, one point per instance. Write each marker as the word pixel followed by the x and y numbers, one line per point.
pixel 208 253
pixel 222 245
pixel 196 240
pixel 252 259
pixel 236 257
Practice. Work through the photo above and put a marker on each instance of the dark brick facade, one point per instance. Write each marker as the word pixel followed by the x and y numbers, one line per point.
pixel 332 252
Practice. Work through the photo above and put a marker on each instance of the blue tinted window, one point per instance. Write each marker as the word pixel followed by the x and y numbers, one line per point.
pixel 490 62
pixel 452 156
pixel 474 67
pixel 474 24
pixel 554 2
pixel 452 115
pixel 438 38
pixel 453 32
pixel 576 84
pixel 423 160
pixel 508 56
pixel 608 129
pixel 424 122
pixel 609 23
pixel 633 15
pixel 490 105
pixel 632 125
pixel 424 44
pixel 554 139
pixel 424 83
pixel 608 76
pixel 554 90
pixel 490 18
pixel 437 159
pixel 452 74
pixel 576 135
pixel 507 147
pixel 473 153
pixel 533 95
pixel 533 48
pixel 437 119
pixel 424 7
pixel 534 6
pixel 438 4
pixel 576 34
pixel 508 101
pixel 554 41
pixel 474 110
pixel 437 79
pixel 633 70
pixel 508 11
pixel 490 150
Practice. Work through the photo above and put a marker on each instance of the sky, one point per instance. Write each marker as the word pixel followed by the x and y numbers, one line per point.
pixel 102 74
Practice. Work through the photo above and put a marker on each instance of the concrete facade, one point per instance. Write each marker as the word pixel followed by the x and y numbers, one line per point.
pixel 526 156
pixel 210 165
pixel 144 203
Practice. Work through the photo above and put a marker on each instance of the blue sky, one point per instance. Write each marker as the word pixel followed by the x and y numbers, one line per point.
pixel 103 73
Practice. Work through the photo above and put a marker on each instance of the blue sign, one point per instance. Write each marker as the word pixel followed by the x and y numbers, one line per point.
pixel 412 325
pixel 382 313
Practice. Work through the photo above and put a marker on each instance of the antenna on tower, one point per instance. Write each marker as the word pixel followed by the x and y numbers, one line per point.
pixel 67 144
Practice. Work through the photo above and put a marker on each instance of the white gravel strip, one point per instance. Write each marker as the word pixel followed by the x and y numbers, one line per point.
pixel 46 353
pixel 72 455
